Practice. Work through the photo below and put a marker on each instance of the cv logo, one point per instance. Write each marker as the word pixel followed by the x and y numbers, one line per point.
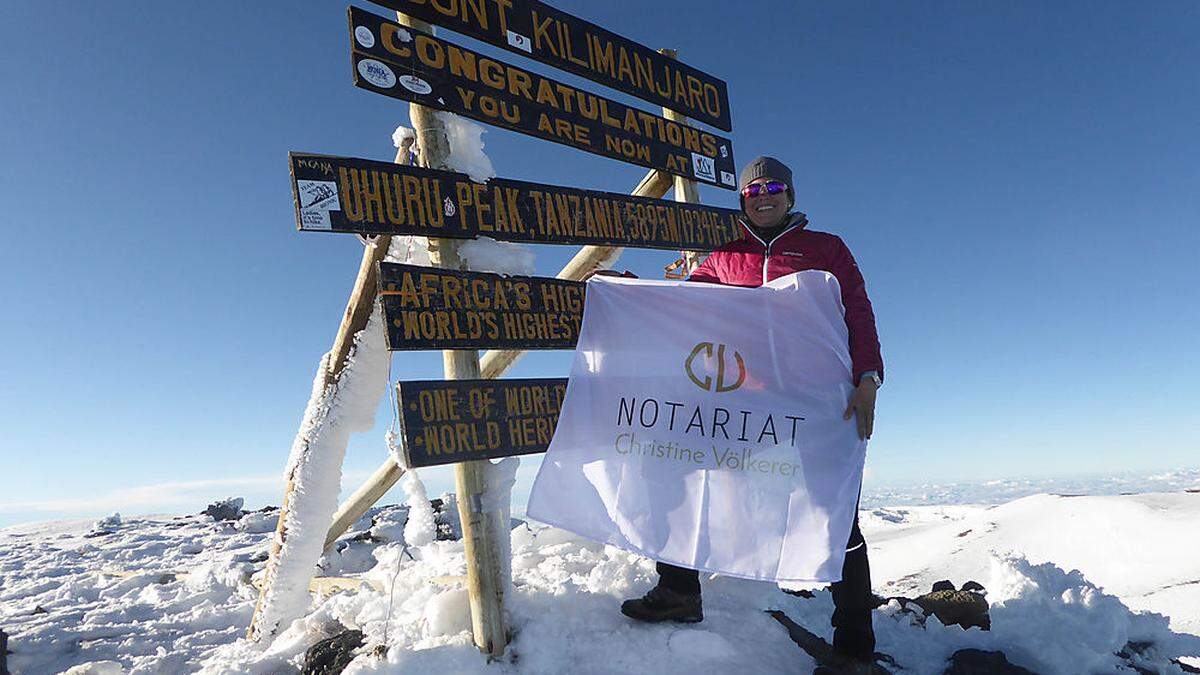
pixel 706 383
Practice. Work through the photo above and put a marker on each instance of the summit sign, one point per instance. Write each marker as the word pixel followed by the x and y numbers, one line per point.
pixel 413 66
pixel 539 31
pixel 345 194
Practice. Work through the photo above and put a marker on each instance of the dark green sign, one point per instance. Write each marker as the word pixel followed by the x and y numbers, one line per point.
pixel 537 30
pixel 409 65
pixel 432 308
pixel 342 194
pixel 450 421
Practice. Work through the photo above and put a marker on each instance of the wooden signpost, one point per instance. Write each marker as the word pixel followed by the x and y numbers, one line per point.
pixel 344 194
pixel 410 65
pixel 492 364
pixel 444 422
pixel 468 418
pixel 537 30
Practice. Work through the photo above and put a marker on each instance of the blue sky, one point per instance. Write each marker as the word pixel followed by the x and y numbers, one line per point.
pixel 1020 183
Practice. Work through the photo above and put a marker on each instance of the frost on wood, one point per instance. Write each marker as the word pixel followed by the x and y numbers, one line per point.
pixel 409 250
pixel 403 136
pixel 497 497
pixel 466 148
pixel 502 257
pixel 315 467
pixel 421 527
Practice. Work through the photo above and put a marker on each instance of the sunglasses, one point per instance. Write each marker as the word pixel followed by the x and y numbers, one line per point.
pixel 771 187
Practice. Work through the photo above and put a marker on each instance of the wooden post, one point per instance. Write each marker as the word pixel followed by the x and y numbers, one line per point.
pixel 493 364
pixel 354 319
pixel 685 190
pixel 480 529
pixel 364 498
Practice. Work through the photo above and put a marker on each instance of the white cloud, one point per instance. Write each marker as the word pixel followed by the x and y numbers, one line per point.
pixel 172 497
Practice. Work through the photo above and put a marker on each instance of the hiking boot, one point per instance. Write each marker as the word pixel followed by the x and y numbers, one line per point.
pixel 664 604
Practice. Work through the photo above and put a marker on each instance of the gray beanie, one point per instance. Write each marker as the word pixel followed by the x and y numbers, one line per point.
pixel 766 167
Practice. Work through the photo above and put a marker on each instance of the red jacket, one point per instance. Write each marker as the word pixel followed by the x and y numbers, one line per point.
pixel 751 262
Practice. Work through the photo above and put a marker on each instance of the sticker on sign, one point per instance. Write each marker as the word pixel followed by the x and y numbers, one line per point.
pixel 377 73
pixel 317 199
pixel 364 37
pixel 727 178
pixel 415 84
pixel 520 42
pixel 704 167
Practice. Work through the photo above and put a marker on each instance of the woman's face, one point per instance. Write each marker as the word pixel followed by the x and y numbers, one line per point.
pixel 765 210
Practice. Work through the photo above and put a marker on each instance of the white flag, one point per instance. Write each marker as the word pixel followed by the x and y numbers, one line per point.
pixel 703 427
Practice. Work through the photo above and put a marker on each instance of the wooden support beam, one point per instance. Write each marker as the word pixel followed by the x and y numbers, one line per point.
pixel 364 498
pixel 354 319
pixel 685 190
pixel 493 364
pixel 480 531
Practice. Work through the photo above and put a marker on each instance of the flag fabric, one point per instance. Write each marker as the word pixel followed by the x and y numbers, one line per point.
pixel 703 427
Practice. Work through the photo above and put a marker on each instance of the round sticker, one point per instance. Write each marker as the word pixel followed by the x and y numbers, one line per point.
pixel 377 73
pixel 415 84
pixel 364 37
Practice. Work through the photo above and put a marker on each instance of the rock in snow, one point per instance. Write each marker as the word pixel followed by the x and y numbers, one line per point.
pixel 226 509
pixel 332 655
pixel 979 662
pixel 107 523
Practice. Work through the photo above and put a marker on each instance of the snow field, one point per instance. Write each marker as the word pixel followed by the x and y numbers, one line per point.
pixel 1144 549
pixel 174 595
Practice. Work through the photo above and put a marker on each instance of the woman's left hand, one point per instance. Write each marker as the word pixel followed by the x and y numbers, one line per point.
pixel 862 406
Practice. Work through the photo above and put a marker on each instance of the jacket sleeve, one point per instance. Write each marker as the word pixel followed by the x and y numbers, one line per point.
pixel 707 271
pixel 860 318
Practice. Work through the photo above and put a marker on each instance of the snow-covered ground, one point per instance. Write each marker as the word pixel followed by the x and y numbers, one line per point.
pixel 174 594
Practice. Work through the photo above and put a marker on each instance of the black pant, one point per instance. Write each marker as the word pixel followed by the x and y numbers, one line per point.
pixel 852 597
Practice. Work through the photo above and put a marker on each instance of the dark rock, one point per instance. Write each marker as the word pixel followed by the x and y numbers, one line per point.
pixel 4 653
pixel 1135 651
pixel 331 656
pixel 979 662
pixel 445 515
pixel 974 587
pixel 943 585
pixel 268 508
pixel 226 509
pixel 907 606
pixel 878 601
pixel 38 609
pixel 98 533
pixel 801 593
pixel 446 532
pixel 961 608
